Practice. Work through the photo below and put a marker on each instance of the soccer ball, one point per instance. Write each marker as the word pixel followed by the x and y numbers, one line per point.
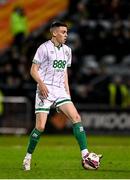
pixel 91 161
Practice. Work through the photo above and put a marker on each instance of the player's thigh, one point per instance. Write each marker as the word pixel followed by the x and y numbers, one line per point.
pixel 71 112
pixel 41 119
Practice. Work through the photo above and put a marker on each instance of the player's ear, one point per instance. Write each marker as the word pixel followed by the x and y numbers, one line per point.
pixel 54 33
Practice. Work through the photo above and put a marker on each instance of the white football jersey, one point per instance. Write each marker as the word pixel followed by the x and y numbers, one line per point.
pixel 53 62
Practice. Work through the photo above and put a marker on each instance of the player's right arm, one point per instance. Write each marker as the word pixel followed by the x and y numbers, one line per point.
pixel 41 85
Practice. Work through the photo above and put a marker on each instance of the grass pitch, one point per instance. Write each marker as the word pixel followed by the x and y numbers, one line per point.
pixel 58 157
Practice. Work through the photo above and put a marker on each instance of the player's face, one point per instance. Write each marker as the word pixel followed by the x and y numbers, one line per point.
pixel 61 34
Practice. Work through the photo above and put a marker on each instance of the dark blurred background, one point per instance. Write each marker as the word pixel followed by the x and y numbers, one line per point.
pixel 99 35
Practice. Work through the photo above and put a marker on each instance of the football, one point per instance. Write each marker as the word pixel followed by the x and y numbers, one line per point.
pixel 91 161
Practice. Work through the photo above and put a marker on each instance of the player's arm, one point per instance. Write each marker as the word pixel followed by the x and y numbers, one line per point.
pixel 34 73
pixel 66 72
pixel 66 82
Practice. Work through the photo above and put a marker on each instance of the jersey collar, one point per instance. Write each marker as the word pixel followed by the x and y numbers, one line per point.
pixel 59 46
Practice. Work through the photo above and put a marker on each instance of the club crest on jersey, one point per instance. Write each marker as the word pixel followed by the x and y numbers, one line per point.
pixel 66 53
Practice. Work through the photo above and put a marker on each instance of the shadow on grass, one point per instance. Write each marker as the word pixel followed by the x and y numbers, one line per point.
pixel 115 170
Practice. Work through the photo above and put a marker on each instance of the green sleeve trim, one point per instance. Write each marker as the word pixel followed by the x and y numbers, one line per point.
pixel 35 61
pixel 68 65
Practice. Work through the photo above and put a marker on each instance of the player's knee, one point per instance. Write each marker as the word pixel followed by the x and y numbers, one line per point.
pixel 76 118
pixel 40 128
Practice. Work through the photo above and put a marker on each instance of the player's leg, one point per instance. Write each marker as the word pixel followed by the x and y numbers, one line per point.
pixel 35 135
pixel 70 111
pixel 41 118
pixel 42 108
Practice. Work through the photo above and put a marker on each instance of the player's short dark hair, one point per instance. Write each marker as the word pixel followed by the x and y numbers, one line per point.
pixel 57 24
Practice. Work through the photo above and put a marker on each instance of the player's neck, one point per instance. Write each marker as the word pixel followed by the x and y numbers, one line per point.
pixel 57 44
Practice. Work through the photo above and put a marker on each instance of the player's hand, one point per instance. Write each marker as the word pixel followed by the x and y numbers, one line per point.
pixel 43 89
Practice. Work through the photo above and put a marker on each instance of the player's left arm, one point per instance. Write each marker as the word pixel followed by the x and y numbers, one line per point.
pixel 66 82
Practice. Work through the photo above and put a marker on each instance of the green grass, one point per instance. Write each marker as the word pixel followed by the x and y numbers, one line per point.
pixel 58 157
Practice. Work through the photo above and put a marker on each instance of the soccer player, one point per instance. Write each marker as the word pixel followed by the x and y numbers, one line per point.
pixel 49 70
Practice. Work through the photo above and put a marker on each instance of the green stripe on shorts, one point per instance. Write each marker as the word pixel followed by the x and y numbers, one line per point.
pixel 42 109
pixel 63 102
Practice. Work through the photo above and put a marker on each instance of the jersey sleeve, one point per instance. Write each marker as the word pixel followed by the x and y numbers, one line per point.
pixel 69 58
pixel 40 55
